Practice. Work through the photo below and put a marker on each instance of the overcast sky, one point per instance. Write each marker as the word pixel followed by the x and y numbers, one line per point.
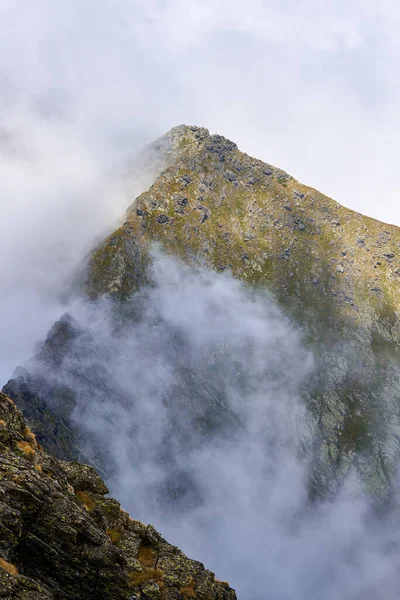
pixel 306 85
pixel 309 86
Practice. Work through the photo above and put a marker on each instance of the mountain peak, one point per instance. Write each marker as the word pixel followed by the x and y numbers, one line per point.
pixel 184 141
pixel 234 212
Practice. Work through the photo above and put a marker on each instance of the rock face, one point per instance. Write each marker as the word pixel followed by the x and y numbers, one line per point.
pixel 63 538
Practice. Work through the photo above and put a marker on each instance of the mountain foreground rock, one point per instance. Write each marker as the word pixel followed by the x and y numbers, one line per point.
pixel 62 537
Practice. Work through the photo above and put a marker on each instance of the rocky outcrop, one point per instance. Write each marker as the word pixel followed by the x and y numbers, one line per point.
pixel 63 538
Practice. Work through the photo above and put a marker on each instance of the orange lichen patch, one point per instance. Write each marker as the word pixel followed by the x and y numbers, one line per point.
pixel 188 591
pixel 39 468
pixel 114 535
pixel 2 423
pixel 138 577
pixel 26 448
pixel 146 556
pixel 29 435
pixel 15 478
pixel 135 521
pixel 5 398
pixel 6 566
pixel 86 500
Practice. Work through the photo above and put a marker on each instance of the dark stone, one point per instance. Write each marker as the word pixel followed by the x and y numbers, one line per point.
pixel 186 180
pixel 285 254
pixel 389 256
pixel 299 224
pixel 231 176
pixel 220 146
pixel 162 219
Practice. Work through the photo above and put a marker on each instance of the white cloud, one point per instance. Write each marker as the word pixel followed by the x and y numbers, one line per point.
pixel 308 86
pixel 198 407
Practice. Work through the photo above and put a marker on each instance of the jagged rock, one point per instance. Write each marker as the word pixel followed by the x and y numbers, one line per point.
pixel 62 538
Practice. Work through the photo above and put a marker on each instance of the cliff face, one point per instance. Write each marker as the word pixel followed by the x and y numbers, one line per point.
pixel 62 537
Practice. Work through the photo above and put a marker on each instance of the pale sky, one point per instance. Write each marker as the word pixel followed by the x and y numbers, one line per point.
pixel 309 86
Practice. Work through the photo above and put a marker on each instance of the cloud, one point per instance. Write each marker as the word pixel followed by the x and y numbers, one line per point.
pixel 58 197
pixel 306 86
pixel 197 407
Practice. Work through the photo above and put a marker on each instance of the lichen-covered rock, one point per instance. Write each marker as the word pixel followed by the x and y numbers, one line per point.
pixel 61 538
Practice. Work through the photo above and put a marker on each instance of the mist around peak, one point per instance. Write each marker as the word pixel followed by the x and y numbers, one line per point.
pixel 193 395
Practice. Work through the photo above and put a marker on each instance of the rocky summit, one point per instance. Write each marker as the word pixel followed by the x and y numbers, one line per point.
pixel 217 205
pixel 335 275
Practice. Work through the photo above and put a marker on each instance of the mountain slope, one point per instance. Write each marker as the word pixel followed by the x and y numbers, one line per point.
pixel 333 271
